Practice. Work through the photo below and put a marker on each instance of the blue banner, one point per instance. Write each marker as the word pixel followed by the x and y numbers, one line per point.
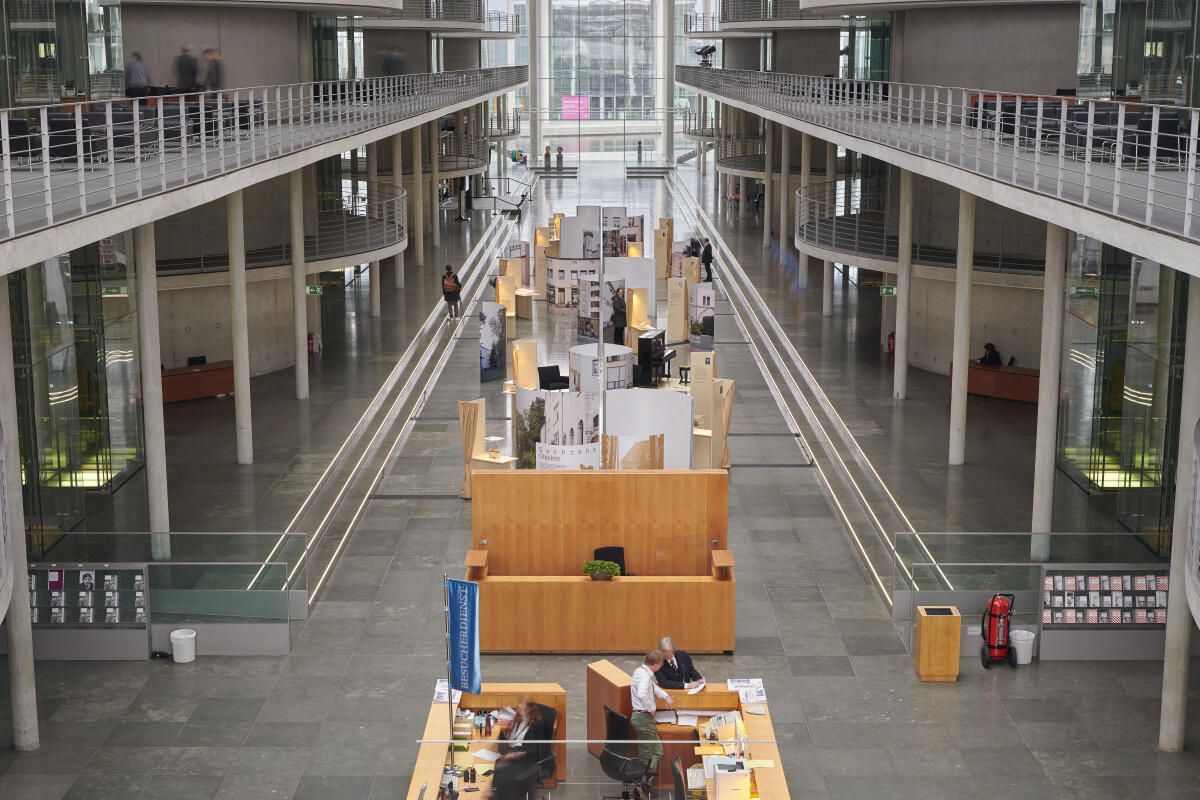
pixel 463 632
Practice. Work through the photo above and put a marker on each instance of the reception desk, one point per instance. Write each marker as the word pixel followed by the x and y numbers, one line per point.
pixel 433 754
pixel 609 685
pixel 1006 383
pixel 193 383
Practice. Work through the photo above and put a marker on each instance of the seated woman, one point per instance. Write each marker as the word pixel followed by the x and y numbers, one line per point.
pixel 518 769
pixel 991 356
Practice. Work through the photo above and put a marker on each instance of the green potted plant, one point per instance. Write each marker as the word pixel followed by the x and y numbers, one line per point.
pixel 601 570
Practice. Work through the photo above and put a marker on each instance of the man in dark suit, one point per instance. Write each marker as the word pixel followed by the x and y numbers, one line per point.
pixel 677 671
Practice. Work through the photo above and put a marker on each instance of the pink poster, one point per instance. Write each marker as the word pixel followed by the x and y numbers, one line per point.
pixel 574 107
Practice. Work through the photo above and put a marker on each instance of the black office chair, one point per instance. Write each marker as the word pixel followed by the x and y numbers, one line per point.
pixel 550 378
pixel 613 554
pixel 617 759
pixel 548 761
pixel 682 792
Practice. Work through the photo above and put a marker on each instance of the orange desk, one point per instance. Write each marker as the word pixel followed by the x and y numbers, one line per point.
pixel 1006 383
pixel 192 383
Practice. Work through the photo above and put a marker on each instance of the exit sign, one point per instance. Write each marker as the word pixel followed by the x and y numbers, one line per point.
pixel 118 291
pixel 887 291
pixel 316 289
pixel 1086 291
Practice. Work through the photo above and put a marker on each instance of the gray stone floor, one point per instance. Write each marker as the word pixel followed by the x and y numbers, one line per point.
pixel 340 715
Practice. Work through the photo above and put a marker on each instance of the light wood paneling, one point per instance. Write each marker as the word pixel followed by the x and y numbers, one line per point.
pixel 937 644
pixel 542 522
pixel 575 614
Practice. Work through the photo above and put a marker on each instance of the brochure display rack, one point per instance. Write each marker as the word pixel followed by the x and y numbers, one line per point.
pixel 1109 598
pixel 89 611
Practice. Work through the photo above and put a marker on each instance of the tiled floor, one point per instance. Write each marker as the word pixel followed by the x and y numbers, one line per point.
pixel 339 716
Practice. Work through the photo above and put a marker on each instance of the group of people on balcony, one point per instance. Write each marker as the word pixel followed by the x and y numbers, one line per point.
pixel 187 73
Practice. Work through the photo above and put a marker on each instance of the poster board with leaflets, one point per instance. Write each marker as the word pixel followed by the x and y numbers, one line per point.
pixel 597 302
pixel 678 249
pixel 556 429
pixel 103 596
pixel 704 371
pixel 562 281
pixel 492 341
pixel 584 372
pixel 701 316
pixel 662 253
pixel 639 413
pixel 691 269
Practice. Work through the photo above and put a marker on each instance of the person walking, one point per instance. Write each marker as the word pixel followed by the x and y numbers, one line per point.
pixel 137 76
pixel 187 70
pixel 643 690
pixel 451 289
pixel 706 259
pixel 214 73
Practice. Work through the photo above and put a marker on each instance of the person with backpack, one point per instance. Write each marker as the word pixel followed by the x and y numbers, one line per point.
pixel 451 287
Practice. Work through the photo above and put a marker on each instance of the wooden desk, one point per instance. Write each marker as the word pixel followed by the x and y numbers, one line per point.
pixel 1006 383
pixel 609 685
pixel 433 753
pixel 193 383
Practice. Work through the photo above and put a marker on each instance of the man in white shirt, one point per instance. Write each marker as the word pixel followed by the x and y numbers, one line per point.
pixel 644 690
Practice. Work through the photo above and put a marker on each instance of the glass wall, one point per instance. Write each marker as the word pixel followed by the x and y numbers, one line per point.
pixel 1119 396
pixel 1138 49
pixel 54 52
pixel 75 357
pixel 866 49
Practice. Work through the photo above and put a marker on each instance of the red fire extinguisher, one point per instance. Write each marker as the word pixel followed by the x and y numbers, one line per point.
pixel 892 342
pixel 995 626
pixel 312 344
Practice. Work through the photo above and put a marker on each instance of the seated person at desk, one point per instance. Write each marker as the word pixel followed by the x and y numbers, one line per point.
pixel 677 671
pixel 520 764
pixel 991 356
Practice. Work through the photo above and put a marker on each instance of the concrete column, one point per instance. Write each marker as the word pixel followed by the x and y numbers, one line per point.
pixel 372 178
pixel 417 197
pixel 743 203
pixel 376 273
pixel 235 230
pixel 826 289
pixel 962 327
pixel 1172 720
pixel 903 287
pixel 435 211
pixel 150 361
pixel 830 179
pixel 21 681
pixel 397 191
pixel 667 85
pixel 1046 441
pixel 785 199
pixel 848 195
pixel 299 282
pixel 805 173
pixel 768 213
pixel 535 78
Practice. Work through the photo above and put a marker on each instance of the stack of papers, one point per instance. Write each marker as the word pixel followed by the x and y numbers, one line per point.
pixel 696 689
pixel 441 692
pixel 750 690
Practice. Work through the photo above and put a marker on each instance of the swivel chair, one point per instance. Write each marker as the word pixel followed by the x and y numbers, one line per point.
pixel 617 759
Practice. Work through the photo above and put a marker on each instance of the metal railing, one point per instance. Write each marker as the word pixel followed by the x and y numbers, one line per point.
pixel 449 10
pixel 357 227
pixel 500 22
pixel 63 162
pixel 504 126
pixel 693 125
pixel 833 217
pixel 462 151
pixel 742 152
pixel 1131 161
pixel 701 23
pixel 759 10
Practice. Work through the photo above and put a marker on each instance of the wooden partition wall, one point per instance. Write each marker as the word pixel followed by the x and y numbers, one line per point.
pixel 548 522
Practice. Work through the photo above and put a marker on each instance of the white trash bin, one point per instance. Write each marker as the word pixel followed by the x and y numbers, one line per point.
pixel 183 646
pixel 1022 641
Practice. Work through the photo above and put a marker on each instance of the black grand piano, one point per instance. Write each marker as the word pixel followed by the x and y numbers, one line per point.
pixel 653 358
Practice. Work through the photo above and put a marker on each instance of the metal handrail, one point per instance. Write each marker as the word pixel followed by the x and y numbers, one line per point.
pixel 500 22
pixel 504 126
pixel 832 216
pixel 1131 161
pixel 450 10
pixel 63 162
pixel 759 10
pixel 693 125
pixel 701 23
pixel 462 151
pixel 357 227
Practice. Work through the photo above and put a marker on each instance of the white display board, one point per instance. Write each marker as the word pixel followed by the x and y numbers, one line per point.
pixel 493 349
pixel 556 429
pixel 585 367
pixel 596 299
pixel 702 316
pixel 640 413
pixel 562 281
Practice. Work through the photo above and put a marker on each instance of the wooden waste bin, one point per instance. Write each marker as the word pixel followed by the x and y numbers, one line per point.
pixel 936 651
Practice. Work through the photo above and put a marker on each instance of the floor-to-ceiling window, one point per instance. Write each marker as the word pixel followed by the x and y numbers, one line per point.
pixel 54 52
pixel 1119 397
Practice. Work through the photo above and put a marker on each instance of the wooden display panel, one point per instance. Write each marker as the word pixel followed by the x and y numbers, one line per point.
pixel 677 310
pixel 543 522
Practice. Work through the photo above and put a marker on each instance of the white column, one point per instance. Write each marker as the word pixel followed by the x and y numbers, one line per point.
pixel 667 85
pixel 962 327
pixel 21 681
pixel 1172 720
pixel 435 211
pixel 785 200
pixel 743 201
pixel 831 177
pixel 299 281
pixel 535 78
pixel 805 174
pixel 826 288
pixel 150 359
pixel 397 191
pixel 701 150
pixel 768 180
pixel 1046 441
pixel 239 329
pixel 903 287
pixel 376 273
pixel 417 198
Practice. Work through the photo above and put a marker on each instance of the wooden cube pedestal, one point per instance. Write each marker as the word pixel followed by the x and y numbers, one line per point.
pixel 937 641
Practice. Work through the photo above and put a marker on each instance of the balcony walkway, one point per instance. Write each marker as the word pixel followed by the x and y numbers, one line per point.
pixel 117 164
pixel 921 128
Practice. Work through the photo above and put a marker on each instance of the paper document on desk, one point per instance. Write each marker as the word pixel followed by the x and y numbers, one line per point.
pixel 442 692
pixel 688 718
pixel 696 689
pixel 695 777
pixel 666 716
pixel 506 714
pixel 750 690
pixel 486 755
